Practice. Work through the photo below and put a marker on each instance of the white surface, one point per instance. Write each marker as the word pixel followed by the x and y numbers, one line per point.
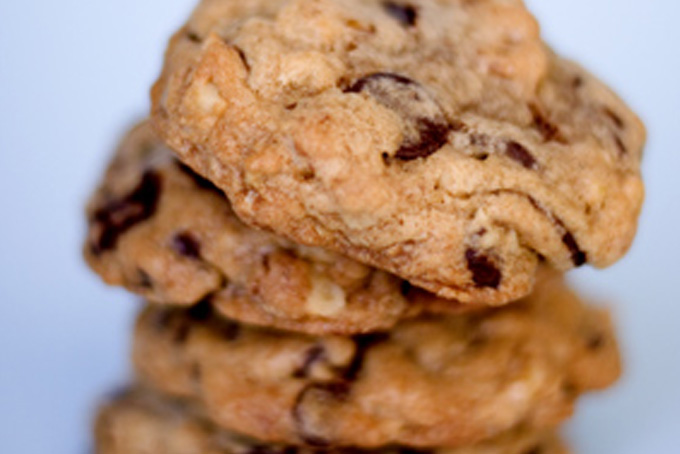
pixel 73 74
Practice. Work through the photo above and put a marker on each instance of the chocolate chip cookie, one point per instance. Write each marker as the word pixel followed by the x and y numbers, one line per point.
pixel 143 422
pixel 431 381
pixel 164 232
pixel 442 141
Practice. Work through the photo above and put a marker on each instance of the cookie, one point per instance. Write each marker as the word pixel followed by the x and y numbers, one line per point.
pixel 164 232
pixel 431 381
pixel 143 422
pixel 441 141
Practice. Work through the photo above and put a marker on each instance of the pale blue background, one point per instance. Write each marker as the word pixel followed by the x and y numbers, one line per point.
pixel 73 74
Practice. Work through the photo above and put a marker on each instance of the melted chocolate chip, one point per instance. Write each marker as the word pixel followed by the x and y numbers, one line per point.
pixel 577 255
pixel 577 82
pixel 319 392
pixel 517 152
pixel 406 14
pixel 432 135
pixel 426 128
pixel 363 343
pixel 118 216
pixel 548 130
pixel 484 272
pixel 313 355
pixel 187 245
pixel 201 182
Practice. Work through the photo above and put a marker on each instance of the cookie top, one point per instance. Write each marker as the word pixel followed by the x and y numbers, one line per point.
pixel 167 234
pixel 430 381
pixel 143 422
pixel 439 140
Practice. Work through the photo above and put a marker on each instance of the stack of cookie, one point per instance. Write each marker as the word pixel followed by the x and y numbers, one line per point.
pixel 350 219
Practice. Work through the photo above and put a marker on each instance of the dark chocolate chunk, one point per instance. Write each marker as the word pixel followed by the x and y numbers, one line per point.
pixel 577 255
pixel 426 129
pixel 519 153
pixel 187 245
pixel 314 354
pixel 404 13
pixel 406 450
pixel 272 449
pixel 201 182
pixel 484 271
pixel 118 216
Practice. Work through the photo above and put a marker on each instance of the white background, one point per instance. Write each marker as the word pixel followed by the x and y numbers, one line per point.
pixel 74 74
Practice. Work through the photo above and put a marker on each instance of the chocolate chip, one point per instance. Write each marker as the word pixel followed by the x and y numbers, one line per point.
pixel 187 245
pixel 577 255
pixel 201 182
pixel 143 279
pixel 426 129
pixel 432 135
pixel 614 117
pixel 548 130
pixel 535 450
pixel 363 343
pixel 193 36
pixel 317 393
pixel 118 216
pixel 404 13
pixel 595 341
pixel 517 152
pixel 484 272
pixel 577 82
pixel 242 55
pixel 620 145
pixel 313 355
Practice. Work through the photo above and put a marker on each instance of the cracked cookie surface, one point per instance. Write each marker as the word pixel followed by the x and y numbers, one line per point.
pixel 142 422
pixel 430 381
pixel 165 233
pixel 441 141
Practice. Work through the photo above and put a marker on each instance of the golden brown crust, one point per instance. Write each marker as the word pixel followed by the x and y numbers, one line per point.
pixel 286 106
pixel 143 422
pixel 163 232
pixel 430 381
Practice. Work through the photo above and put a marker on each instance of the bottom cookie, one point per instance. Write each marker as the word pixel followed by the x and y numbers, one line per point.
pixel 143 422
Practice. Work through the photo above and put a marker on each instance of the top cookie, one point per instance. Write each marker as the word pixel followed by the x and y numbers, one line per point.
pixel 439 140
